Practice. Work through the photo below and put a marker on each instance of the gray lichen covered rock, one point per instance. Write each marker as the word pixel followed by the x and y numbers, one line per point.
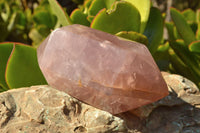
pixel 42 109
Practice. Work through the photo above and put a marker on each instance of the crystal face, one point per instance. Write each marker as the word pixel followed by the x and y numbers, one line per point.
pixel 100 69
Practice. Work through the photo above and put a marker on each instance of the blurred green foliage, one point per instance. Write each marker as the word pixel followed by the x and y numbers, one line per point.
pixel 43 22
pixel 184 43
pixel 185 4
pixel 20 23
pixel 134 20
pixel 14 21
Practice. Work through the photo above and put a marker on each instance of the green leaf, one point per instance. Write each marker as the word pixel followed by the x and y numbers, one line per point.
pixel 189 15
pixel 22 67
pixel 154 29
pixel 21 19
pixel 176 34
pixel 45 18
pixel 12 21
pixel 198 23
pixel 143 7
pixel 109 3
pixel 195 47
pixel 62 16
pixel 161 56
pixel 170 30
pixel 43 30
pixel 1 89
pixel 179 66
pixel 79 17
pixel 133 36
pixel 162 52
pixel 97 5
pixel 122 17
pixel 36 37
pixel 86 6
pixel 5 50
pixel 198 16
pixel 28 15
pixel 182 27
pixel 193 26
pixel 7 12
pixel 3 32
pixel 90 18
pixel 187 57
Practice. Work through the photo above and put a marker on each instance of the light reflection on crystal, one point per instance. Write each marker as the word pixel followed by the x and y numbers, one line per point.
pixel 100 69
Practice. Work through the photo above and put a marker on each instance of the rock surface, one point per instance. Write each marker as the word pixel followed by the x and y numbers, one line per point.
pixel 42 109
pixel 100 69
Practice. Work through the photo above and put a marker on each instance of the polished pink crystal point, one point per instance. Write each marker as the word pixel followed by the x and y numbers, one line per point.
pixel 101 69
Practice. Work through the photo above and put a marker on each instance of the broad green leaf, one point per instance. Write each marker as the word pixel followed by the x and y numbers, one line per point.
pixel 22 68
pixel 79 17
pixel 195 47
pixel 143 7
pixel 170 30
pixel 122 17
pixel 5 51
pixel 176 34
pixel 162 52
pixel 187 57
pixel 194 27
pixel 189 15
pixel 161 56
pixel 134 36
pixel 90 18
pixel 198 15
pixel 154 29
pixel 198 34
pixel 182 27
pixel 97 5
pixel 179 66
pixel 63 17
pixel 198 23
pixel 109 3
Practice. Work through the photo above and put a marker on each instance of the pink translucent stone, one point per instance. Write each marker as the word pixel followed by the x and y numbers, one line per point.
pixel 101 69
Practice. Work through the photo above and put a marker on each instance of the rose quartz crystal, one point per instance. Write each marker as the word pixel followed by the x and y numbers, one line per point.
pixel 101 69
